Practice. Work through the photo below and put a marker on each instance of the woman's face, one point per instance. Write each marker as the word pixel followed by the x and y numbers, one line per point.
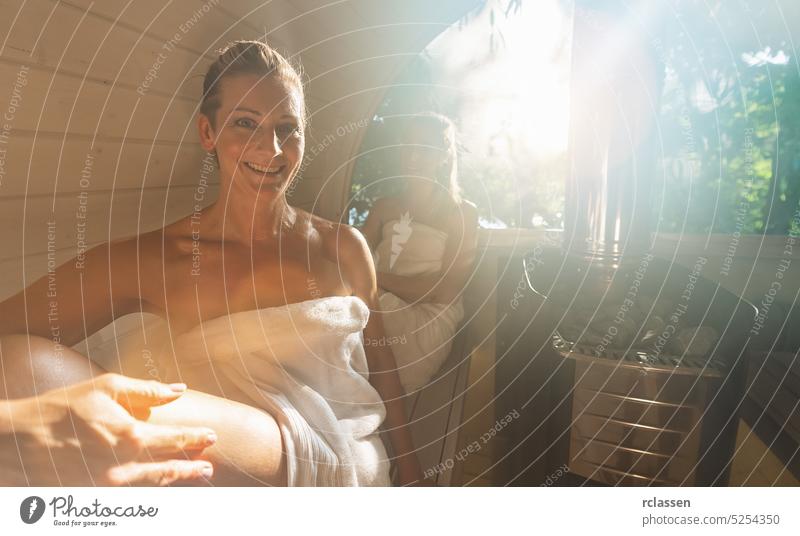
pixel 257 133
pixel 424 156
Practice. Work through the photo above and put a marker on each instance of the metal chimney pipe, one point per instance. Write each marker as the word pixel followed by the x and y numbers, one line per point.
pixel 639 415
pixel 616 85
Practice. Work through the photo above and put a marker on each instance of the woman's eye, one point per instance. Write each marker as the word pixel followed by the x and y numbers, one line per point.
pixel 285 131
pixel 245 122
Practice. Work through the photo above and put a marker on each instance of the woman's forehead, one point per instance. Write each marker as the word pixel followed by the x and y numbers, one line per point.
pixel 265 95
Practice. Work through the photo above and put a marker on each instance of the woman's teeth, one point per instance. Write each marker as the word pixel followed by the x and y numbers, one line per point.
pixel 263 169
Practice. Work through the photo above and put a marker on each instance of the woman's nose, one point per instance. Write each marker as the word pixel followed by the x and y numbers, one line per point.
pixel 267 140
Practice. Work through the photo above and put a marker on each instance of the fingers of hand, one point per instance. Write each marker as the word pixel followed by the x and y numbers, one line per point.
pixel 162 440
pixel 134 393
pixel 159 473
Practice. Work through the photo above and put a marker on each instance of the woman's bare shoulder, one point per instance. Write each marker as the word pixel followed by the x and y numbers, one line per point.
pixel 339 241
pixel 466 214
pixel 149 248
pixel 345 246
pixel 335 238
pixel 173 239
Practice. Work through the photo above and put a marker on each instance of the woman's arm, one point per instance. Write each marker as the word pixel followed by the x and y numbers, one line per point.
pixel 413 289
pixel 372 227
pixel 356 262
pixel 77 298
pixel 459 255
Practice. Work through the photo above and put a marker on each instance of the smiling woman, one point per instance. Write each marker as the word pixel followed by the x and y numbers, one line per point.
pixel 264 145
pixel 272 136
pixel 232 282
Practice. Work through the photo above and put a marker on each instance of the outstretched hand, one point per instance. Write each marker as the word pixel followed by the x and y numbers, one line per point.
pixel 89 434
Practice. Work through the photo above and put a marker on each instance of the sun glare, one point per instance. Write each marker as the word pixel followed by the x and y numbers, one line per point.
pixel 521 91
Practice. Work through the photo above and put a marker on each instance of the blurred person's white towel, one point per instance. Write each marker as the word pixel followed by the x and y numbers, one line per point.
pixel 419 334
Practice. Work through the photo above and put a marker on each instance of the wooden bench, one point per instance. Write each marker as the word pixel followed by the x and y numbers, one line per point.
pixel 436 412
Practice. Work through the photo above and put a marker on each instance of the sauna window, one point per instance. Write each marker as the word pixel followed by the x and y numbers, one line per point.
pixel 731 144
pixel 502 74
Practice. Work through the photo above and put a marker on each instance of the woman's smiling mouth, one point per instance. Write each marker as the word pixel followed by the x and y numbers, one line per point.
pixel 264 170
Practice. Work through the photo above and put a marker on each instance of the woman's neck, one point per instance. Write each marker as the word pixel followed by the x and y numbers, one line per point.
pixel 261 219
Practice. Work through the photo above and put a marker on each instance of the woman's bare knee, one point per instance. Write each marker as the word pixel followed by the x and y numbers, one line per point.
pixel 249 449
pixel 31 365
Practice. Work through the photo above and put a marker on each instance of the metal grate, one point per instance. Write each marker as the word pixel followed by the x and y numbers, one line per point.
pixel 641 357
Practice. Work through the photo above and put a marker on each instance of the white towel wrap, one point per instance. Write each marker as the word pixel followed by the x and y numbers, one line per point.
pixel 420 334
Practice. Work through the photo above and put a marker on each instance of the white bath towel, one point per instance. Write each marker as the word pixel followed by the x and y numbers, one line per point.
pixel 305 364
pixel 419 334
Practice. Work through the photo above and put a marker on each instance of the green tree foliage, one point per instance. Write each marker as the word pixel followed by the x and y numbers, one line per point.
pixel 729 122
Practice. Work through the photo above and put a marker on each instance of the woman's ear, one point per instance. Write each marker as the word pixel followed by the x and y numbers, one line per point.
pixel 208 139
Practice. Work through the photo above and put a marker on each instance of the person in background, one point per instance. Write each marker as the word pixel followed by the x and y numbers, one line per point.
pixel 423 243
